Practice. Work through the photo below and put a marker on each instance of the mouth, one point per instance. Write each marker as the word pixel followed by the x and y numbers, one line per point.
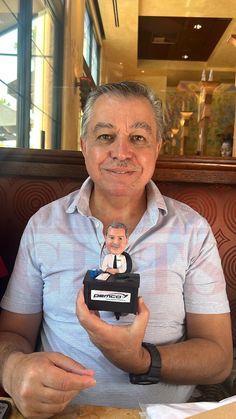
pixel 120 171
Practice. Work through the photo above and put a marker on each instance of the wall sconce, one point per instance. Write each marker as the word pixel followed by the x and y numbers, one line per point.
pixel 85 85
pixel 232 39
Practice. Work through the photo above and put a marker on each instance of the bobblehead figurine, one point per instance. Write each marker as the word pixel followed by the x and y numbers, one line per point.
pixel 113 287
pixel 116 261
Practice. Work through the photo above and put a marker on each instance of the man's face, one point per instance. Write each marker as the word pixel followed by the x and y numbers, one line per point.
pixel 121 148
pixel 116 240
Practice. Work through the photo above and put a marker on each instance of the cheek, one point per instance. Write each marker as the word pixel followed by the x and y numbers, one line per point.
pixel 148 162
pixel 93 158
pixel 108 246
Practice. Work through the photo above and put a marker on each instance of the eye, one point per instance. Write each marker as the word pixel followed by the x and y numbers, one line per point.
pixel 105 138
pixel 138 139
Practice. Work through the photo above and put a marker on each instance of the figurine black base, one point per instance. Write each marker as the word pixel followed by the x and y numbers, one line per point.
pixel 119 293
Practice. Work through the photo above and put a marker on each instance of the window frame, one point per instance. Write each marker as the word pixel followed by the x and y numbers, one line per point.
pixel 24 57
pixel 88 69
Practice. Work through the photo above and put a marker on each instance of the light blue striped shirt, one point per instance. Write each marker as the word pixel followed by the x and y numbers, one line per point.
pixel 172 248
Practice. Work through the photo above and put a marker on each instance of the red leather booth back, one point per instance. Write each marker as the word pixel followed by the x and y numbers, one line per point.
pixel 31 179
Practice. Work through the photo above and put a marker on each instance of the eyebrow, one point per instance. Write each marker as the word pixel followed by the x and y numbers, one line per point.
pixel 142 124
pixel 113 235
pixel 139 124
pixel 100 125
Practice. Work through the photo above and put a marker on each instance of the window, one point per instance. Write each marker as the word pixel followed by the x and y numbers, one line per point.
pixel 91 49
pixel 87 37
pixel 30 73
pixel 8 73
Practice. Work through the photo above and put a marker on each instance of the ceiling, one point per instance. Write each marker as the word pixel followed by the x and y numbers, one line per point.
pixel 153 36
pixel 179 38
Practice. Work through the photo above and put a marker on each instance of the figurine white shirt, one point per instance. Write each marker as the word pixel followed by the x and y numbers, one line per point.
pixel 109 261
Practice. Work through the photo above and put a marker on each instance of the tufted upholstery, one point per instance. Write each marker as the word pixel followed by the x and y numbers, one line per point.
pixel 30 180
pixel 217 203
pixel 21 197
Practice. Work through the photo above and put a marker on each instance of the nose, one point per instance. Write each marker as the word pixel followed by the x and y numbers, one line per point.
pixel 121 148
pixel 116 241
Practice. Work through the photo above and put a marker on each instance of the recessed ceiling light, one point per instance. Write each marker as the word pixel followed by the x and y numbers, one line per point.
pixel 142 71
pixel 121 63
pixel 185 56
pixel 198 26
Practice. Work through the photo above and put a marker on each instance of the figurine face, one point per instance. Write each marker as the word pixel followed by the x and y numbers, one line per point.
pixel 226 150
pixel 116 240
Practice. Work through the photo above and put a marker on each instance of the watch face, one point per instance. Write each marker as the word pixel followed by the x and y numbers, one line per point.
pixel 142 379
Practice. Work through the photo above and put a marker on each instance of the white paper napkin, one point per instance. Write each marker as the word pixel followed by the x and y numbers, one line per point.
pixel 181 410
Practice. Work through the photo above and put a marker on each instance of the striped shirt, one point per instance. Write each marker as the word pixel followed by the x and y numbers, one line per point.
pixel 172 248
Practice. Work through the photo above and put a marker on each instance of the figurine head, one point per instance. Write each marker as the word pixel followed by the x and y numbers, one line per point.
pixel 226 149
pixel 116 238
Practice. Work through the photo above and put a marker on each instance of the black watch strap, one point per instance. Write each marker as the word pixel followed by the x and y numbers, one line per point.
pixel 154 373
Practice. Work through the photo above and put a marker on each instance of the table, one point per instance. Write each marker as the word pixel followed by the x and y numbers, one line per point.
pixel 86 412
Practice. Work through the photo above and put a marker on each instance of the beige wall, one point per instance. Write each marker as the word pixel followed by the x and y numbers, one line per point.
pixel 234 141
pixel 73 67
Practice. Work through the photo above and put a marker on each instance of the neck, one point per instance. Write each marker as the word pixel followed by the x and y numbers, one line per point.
pixel 121 209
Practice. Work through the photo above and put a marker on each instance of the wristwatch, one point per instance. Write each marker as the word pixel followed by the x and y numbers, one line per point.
pixel 154 373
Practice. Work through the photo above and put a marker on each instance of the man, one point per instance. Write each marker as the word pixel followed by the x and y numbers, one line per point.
pixel 183 314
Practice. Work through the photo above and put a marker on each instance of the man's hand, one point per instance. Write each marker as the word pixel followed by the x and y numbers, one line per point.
pixel 42 384
pixel 112 271
pixel 121 344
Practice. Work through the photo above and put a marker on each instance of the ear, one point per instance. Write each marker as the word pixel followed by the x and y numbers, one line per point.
pixel 158 148
pixel 83 145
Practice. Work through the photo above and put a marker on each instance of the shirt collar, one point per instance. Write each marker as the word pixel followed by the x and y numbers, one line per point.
pixel 80 200
pixel 155 200
pixel 156 207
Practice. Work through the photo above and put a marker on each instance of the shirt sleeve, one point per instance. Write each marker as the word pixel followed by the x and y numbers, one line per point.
pixel 25 289
pixel 205 287
pixel 105 263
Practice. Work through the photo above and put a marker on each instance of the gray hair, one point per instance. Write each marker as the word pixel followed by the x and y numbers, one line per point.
pixel 118 225
pixel 124 89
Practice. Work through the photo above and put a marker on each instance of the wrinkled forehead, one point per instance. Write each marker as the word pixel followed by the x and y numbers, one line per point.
pixel 129 106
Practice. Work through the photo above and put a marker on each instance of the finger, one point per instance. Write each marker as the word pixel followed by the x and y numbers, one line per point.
pixel 81 295
pixel 41 410
pixel 59 379
pixel 141 319
pixel 142 308
pixel 68 364
pixel 81 307
pixel 89 319
pixel 51 396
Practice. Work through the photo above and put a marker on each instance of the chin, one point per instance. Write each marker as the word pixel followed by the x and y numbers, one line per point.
pixel 123 188
pixel 119 192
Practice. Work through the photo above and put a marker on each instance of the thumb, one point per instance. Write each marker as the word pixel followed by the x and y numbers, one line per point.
pixel 142 317
pixel 142 308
